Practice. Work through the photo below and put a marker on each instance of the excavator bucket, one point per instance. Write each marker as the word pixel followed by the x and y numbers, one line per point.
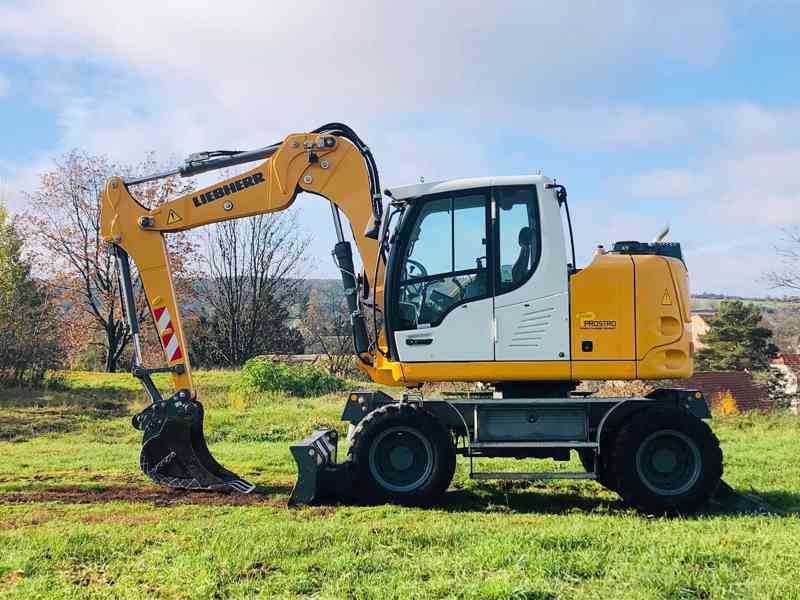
pixel 319 477
pixel 174 450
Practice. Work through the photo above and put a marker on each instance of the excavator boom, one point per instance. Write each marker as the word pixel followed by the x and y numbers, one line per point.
pixel 330 162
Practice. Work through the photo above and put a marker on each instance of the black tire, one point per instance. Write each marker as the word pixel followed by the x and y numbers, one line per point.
pixel 586 456
pixel 666 461
pixel 400 453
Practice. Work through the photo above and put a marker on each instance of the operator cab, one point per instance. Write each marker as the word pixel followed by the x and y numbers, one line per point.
pixel 478 271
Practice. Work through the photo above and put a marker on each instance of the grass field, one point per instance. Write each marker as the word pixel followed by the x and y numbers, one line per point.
pixel 78 519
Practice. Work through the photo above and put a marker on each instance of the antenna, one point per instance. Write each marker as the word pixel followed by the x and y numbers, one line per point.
pixel 661 236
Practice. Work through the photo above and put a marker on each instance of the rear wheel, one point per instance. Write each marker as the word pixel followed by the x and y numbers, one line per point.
pixel 401 453
pixel 666 461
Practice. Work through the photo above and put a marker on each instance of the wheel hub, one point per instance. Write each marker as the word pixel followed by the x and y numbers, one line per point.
pixel 664 461
pixel 401 459
pixel 668 462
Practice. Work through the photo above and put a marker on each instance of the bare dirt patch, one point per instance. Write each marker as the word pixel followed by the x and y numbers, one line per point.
pixel 23 424
pixel 144 518
pixel 154 496
pixel 22 427
pixel 30 518
pixel 10 579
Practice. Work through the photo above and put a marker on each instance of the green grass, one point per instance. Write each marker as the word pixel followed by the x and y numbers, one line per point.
pixel 78 519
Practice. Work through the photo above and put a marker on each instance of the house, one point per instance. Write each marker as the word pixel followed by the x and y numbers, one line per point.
pixel 720 387
pixel 701 320
pixel 789 364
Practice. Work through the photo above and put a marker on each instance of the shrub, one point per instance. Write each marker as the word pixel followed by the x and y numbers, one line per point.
pixel 725 403
pixel 264 375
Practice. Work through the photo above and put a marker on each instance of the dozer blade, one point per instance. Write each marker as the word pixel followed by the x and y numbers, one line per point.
pixel 319 477
pixel 174 450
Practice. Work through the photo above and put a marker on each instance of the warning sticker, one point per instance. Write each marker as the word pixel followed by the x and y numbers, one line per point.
pixel 666 299
pixel 173 217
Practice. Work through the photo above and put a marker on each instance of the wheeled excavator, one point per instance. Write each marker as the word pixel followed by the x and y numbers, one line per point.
pixel 466 280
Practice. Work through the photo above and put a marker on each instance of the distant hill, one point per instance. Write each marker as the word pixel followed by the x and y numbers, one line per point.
pixel 700 302
pixel 710 301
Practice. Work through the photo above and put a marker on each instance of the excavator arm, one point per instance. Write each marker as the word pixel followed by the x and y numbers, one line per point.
pixel 330 162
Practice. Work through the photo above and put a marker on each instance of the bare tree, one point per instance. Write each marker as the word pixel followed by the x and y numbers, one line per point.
pixel 326 326
pixel 63 221
pixel 788 251
pixel 254 266
pixel 785 325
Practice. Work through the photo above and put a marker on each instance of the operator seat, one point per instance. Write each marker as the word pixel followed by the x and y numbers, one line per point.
pixel 519 271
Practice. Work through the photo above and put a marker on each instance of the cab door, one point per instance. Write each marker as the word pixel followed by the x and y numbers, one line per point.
pixel 532 297
pixel 446 308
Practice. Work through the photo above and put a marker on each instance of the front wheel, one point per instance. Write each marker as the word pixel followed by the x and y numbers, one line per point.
pixel 666 461
pixel 401 453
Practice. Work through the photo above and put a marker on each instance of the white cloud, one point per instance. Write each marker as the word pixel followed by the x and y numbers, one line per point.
pixel 424 83
pixel 211 76
pixel 376 54
pixel 747 173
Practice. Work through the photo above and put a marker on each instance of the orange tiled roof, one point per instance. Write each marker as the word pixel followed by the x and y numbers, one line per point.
pixel 748 395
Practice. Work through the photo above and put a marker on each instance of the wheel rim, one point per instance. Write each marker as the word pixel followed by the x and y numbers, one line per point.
pixel 401 459
pixel 668 462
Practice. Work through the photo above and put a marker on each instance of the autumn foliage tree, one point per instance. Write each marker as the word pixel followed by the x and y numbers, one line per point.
pixel 63 223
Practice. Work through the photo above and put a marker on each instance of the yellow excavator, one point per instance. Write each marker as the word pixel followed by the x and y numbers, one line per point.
pixel 467 280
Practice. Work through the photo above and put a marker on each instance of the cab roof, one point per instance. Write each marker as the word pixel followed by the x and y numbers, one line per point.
pixel 409 192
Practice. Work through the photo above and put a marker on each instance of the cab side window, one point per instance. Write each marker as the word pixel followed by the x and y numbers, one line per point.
pixel 445 261
pixel 519 240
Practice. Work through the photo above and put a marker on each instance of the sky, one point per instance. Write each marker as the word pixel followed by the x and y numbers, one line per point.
pixel 679 113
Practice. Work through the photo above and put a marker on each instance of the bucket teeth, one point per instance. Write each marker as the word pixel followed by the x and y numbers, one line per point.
pixel 174 451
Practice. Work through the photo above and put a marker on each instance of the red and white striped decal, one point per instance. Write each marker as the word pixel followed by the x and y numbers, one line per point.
pixel 169 340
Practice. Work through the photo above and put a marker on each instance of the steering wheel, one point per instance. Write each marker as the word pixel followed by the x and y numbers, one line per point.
pixel 460 288
pixel 423 272
pixel 415 291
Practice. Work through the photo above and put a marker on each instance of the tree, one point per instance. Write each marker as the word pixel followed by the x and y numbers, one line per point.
pixel 28 344
pixel 64 221
pixel 776 387
pixel 326 325
pixel 254 266
pixel 788 251
pixel 736 340
pixel 785 324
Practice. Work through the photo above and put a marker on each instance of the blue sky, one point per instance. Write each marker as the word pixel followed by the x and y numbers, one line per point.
pixel 685 113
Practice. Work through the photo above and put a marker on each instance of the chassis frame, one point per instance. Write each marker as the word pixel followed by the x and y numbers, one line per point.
pixel 491 427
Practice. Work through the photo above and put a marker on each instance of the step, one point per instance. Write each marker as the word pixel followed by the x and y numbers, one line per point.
pixel 565 444
pixel 532 476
